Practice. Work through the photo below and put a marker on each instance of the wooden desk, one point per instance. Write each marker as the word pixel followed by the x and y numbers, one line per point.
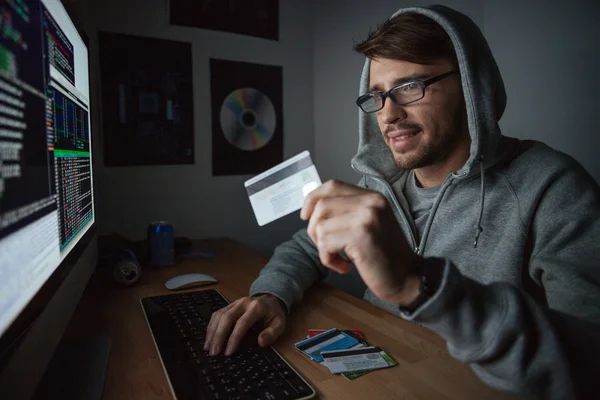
pixel 425 369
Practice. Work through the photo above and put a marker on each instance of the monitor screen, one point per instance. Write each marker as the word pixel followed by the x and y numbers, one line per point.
pixel 46 188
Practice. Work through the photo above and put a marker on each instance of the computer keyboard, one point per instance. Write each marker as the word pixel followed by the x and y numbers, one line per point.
pixel 178 324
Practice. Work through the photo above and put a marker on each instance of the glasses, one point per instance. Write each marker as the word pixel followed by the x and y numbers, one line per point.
pixel 402 94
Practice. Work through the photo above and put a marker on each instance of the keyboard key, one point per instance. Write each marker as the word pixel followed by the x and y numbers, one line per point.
pixel 225 381
pixel 254 375
pixel 237 375
pixel 288 393
pixel 232 368
pixel 301 387
pixel 267 395
pixel 286 373
pixel 273 376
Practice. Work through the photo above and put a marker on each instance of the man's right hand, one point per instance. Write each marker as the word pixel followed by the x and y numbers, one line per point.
pixel 239 316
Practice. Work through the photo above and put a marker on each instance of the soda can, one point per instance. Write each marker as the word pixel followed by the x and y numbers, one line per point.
pixel 127 271
pixel 161 244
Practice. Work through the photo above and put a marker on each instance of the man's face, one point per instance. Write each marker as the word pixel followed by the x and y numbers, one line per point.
pixel 430 131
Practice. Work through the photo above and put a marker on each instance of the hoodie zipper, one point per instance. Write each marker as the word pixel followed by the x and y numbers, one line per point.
pixel 415 246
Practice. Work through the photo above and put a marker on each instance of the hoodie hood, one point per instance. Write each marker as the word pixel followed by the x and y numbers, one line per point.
pixel 483 89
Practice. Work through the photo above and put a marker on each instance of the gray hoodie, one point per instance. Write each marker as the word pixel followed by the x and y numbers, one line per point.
pixel 522 307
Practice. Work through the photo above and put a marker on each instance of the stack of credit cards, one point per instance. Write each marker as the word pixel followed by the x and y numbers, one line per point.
pixel 344 352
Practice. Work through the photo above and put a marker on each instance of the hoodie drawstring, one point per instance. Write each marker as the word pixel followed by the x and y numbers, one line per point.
pixel 478 228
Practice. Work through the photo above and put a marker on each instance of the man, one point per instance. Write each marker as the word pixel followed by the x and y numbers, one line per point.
pixel 489 241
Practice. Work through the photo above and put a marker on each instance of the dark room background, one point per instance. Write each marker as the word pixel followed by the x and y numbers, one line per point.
pixel 547 51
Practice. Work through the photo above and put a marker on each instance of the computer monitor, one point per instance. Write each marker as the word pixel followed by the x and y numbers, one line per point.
pixel 47 216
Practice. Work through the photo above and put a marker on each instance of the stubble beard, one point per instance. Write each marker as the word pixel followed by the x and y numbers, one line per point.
pixel 439 151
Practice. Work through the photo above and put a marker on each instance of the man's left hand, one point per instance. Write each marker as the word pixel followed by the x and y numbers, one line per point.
pixel 360 223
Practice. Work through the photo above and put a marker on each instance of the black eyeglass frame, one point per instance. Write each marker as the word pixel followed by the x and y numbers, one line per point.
pixel 384 95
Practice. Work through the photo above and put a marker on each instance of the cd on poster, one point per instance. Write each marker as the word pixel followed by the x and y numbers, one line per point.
pixel 248 119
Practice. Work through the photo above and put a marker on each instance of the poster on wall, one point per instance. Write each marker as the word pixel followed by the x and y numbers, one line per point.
pixel 247 120
pixel 147 100
pixel 258 18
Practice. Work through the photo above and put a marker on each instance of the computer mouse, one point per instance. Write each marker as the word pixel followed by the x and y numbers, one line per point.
pixel 189 280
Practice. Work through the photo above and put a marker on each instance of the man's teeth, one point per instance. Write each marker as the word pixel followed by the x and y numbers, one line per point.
pixel 405 136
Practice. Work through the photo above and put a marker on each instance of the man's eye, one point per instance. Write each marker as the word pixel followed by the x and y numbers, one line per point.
pixel 409 87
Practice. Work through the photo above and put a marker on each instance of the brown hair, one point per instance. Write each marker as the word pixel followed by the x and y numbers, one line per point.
pixel 409 37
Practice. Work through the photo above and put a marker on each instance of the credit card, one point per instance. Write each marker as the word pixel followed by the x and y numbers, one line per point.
pixel 315 332
pixel 362 359
pixel 281 190
pixel 352 375
pixel 332 339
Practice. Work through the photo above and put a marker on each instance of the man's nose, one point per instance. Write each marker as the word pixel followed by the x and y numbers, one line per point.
pixel 391 112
